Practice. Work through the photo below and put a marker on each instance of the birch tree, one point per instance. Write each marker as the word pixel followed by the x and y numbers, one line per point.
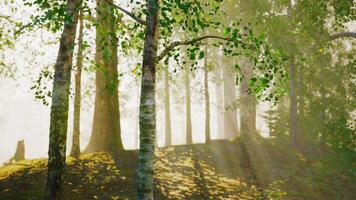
pixel 60 104
pixel 161 18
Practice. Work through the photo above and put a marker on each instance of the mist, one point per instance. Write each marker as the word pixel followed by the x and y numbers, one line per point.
pixel 113 99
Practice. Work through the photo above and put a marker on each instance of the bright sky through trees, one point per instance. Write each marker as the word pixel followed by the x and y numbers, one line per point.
pixel 178 99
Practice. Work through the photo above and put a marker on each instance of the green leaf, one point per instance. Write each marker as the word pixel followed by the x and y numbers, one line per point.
pixel 227 31
pixel 201 55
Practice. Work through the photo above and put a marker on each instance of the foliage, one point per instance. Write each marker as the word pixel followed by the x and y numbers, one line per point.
pixel 325 103
pixel 192 19
pixel 7 39
pixel 329 100
pixel 41 89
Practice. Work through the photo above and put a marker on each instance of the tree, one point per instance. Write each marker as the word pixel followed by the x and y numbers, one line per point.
pixel 75 152
pixel 188 128
pixel 247 102
pixel 158 25
pixel 106 134
pixel 306 36
pixel 147 113
pixel 293 103
pixel 60 104
pixel 167 108
pixel 207 97
pixel 230 114
pixel 219 98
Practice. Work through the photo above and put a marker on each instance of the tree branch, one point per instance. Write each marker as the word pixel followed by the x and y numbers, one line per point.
pixel 342 35
pixel 137 19
pixel 8 18
pixel 4 17
pixel 189 42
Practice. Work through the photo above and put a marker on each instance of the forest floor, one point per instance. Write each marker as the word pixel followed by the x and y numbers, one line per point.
pixel 219 170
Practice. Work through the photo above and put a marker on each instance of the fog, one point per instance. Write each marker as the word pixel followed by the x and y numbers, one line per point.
pixel 224 99
pixel 24 117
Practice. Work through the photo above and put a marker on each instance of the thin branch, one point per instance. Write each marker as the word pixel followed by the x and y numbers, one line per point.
pixel 7 18
pixel 189 42
pixel 137 19
pixel 343 35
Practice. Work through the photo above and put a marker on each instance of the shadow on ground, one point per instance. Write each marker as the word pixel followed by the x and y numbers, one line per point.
pixel 219 170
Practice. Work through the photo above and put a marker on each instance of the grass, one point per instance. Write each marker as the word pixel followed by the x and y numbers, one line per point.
pixel 220 170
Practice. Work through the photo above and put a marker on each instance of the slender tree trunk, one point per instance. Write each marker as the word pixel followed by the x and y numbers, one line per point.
pixel 60 104
pixel 301 105
pixel 106 133
pixel 147 116
pixel 247 102
pixel 189 135
pixel 167 105
pixel 301 94
pixel 293 103
pixel 75 152
pixel 207 98
pixel 230 114
pixel 219 102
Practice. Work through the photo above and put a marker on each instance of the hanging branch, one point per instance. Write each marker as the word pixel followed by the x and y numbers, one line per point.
pixel 137 19
pixel 189 42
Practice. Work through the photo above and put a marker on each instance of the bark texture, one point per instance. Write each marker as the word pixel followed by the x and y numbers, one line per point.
pixel 247 102
pixel 230 113
pixel 207 98
pixel 167 108
pixel 147 115
pixel 106 133
pixel 189 135
pixel 60 104
pixel 75 151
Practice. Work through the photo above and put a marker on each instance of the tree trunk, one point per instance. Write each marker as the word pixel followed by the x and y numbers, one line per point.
pixel 189 135
pixel 147 115
pixel 247 102
pixel 75 152
pixel 301 106
pixel 301 94
pixel 207 98
pixel 167 106
pixel 20 151
pixel 106 133
pixel 60 104
pixel 230 114
pixel 219 102
pixel 293 103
